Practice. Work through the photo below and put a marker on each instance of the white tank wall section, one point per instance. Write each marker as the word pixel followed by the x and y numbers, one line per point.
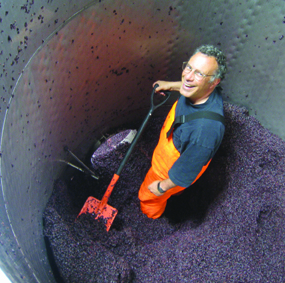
pixel 70 71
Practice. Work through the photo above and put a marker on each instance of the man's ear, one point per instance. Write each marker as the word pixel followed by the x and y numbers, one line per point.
pixel 216 82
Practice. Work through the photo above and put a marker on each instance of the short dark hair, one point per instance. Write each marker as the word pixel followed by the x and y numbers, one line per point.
pixel 211 50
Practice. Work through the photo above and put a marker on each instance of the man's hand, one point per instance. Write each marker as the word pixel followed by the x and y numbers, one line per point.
pixel 165 85
pixel 153 188
pixel 165 185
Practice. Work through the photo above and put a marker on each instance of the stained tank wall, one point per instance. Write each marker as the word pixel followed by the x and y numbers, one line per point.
pixel 70 71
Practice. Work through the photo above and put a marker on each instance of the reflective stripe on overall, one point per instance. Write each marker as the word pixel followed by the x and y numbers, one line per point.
pixel 164 156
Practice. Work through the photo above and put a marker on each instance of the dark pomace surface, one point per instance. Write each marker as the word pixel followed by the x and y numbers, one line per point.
pixel 228 227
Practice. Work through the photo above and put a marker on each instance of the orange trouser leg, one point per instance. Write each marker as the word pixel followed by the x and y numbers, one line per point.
pixel 152 205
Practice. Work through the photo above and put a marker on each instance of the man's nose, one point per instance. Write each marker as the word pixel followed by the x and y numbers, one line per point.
pixel 190 76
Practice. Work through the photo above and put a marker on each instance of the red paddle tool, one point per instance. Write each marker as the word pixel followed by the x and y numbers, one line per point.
pixel 101 209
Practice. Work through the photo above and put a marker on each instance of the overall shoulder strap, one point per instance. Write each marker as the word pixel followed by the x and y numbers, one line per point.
pixel 197 115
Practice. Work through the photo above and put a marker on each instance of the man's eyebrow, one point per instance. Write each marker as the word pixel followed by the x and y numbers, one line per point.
pixel 196 70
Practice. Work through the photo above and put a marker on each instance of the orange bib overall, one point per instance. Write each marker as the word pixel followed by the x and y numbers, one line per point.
pixel 164 156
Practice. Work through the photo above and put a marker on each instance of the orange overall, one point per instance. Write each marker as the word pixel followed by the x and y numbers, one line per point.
pixel 164 156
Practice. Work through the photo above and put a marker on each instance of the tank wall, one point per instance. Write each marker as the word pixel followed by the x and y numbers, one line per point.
pixel 72 71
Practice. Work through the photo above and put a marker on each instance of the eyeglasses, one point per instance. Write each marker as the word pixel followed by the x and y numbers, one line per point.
pixel 198 75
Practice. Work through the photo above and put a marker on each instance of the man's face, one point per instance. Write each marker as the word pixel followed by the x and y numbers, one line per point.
pixel 197 90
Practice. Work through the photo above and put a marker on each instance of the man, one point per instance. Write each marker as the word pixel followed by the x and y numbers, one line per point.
pixel 184 152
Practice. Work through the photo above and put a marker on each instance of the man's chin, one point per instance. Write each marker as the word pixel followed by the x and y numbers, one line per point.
pixel 186 94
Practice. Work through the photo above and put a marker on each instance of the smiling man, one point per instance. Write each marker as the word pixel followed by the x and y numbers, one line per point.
pixel 191 133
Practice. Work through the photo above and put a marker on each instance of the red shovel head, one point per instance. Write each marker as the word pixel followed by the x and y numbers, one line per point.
pixel 107 215
pixel 101 209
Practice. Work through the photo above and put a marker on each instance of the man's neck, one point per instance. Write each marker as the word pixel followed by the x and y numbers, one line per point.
pixel 201 100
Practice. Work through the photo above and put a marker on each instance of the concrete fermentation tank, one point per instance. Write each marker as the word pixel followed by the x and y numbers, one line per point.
pixel 71 70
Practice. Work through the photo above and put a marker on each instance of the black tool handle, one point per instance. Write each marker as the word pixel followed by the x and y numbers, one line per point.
pixel 142 127
pixel 153 106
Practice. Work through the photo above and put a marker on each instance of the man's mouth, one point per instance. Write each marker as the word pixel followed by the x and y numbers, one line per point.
pixel 188 86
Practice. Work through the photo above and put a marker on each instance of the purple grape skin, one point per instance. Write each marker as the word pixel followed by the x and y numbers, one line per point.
pixel 228 228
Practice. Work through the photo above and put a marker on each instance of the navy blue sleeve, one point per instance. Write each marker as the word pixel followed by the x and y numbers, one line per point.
pixel 186 168
pixel 198 142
